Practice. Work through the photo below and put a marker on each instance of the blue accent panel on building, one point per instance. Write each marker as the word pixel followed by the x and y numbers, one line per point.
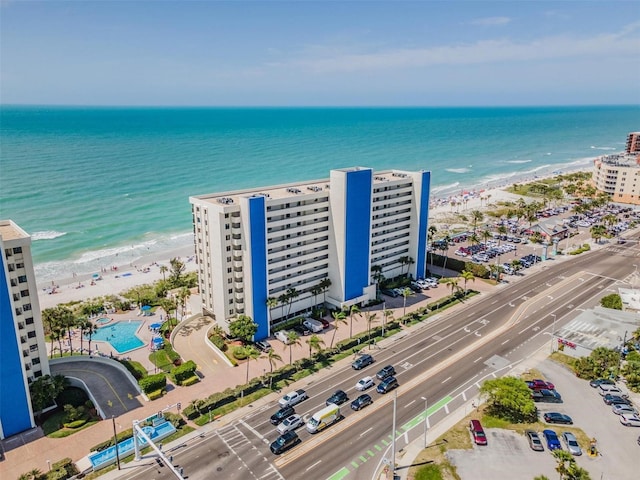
pixel 14 400
pixel 258 239
pixel 357 232
pixel 423 226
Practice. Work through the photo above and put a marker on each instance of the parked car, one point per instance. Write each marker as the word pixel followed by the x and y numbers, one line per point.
pixel 283 336
pixel 263 345
pixel 324 322
pixel 314 325
pixel 364 383
pixel 386 372
pixel 338 398
pixel 387 385
pixel 362 361
pixel 538 384
pixel 281 414
pixel 548 396
pixel 620 408
pixel 553 443
pixel 290 423
pixel 477 432
pixel 301 330
pixel 534 441
pixel 389 292
pixel 601 381
pixel 555 417
pixel 284 442
pixel 361 402
pixel 630 420
pixel 293 398
pixel 604 389
pixel 613 399
pixel 571 443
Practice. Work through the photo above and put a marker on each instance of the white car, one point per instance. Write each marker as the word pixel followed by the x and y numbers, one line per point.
pixel 620 408
pixel 364 383
pixel 283 336
pixel 630 420
pixel 290 423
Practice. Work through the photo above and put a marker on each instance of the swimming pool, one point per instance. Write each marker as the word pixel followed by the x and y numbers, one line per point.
pixel 102 321
pixel 121 335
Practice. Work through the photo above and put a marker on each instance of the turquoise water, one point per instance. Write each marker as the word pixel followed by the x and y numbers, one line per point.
pixel 121 335
pixel 107 456
pixel 103 186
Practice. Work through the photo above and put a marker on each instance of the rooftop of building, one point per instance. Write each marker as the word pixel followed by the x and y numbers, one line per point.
pixel 291 190
pixel 621 160
pixel 11 231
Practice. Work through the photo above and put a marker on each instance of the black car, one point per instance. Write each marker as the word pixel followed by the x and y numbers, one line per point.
pixel 387 385
pixel 362 361
pixel 386 372
pixel 284 442
pixel 549 396
pixel 281 414
pixel 361 402
pixel 301 330
pixel 338 398
pixel 601 381
pixel 555 417
pixel 613 399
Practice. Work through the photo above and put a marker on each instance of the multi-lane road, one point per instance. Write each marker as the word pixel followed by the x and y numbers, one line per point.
pixel 444 361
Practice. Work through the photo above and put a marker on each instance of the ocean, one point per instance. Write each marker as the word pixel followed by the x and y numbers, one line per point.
pixel 101 186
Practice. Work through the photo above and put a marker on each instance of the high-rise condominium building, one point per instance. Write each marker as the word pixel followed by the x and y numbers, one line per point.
pixel 618 175
pixel 633 142
pixel 24 353
pixel 307 243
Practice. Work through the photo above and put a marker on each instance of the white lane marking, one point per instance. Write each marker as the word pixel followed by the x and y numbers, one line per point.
pixel 310 467
pixel 446 379
pixel 412 401
pixel 366 431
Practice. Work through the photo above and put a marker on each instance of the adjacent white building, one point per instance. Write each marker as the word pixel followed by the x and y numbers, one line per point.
pixel 22 343
pixel 256 244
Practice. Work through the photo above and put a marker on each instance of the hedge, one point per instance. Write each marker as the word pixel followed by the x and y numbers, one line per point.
pixel 153 382
pixel 75 424
pixel 184 371
pixel 239 353
pixel 156 394
pixel 190 381
pixel 135 368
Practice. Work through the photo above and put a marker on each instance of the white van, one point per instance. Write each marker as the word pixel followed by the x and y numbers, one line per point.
pixel 314 325
pixel 323 418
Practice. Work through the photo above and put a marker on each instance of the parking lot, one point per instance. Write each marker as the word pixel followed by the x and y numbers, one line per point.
pixel 508 456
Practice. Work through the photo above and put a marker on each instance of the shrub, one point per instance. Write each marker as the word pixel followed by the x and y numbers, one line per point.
pixel 75 424
pixel 239 353
pixel 156 394
pixel 153 382
pixel 218 341
pixel 135 368
pixel 611 301
pixel 184 371
pixel 190 381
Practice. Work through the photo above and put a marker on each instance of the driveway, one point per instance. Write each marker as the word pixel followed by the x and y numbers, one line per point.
pixel 508 456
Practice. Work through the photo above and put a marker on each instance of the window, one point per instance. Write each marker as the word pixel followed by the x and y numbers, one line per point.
pixel 37 374
pixel 29 321
pixel 24 293
pixel 228 248
pixel 22 279
pixel 229 270
pixel 230 291
pixel 19 265
pixel 231 301
pixel 31 335
pixel 35 361
pixel 229 280
pixel 27 307
pixel 17 250
pixel 33 348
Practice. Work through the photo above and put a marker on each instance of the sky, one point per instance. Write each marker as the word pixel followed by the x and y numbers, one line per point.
pixel 320 53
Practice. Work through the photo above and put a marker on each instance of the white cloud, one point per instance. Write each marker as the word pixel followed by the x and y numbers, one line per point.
pixel 490 21
pixel 482 52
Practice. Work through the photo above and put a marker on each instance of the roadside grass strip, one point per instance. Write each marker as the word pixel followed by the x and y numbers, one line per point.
pixel 340 474
pixel 418 420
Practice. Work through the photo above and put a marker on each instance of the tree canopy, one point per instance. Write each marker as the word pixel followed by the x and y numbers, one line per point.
pixel 601 363
pixel 509 398
pixel 611 301
pixel 243 328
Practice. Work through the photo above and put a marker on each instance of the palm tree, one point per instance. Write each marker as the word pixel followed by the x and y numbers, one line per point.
pixel 294 339
pixel 376 275
pixel 431 233
pixel 444 247
pixel 272 303
pixel 163 269
pixel 169 305
pixel 315 343
pixel 273 358
pixel 338 317
pixel 597 232
pixel 496 270
pixel 282 301
pixel 406 292
pixel 467 276
pixel 252 354
pixel 451 282
pixel 387 314
pixel 183 296
pixel 315 291
pixel 325 284
pixel 62 320
pixel 370 318
pixel 403 261
pixel 476 216
pixel 292 294
pixel 353 310
pixel 84 325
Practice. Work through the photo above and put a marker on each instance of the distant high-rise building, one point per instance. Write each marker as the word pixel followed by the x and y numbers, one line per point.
pixel 273 252
pixel 633 143
pixel 22 343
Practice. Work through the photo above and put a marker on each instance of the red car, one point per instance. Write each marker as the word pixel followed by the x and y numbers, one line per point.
pixel 477 432
pixel 537 384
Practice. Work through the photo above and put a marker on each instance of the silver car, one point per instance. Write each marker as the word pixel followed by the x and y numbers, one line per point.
pixel 630 420
pixel 290 423
pixel 572 443
pixel 620 408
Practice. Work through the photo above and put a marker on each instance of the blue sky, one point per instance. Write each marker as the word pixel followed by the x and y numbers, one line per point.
pixel 421 53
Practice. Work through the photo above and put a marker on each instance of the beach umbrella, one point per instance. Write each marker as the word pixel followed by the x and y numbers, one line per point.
pixel 155 326
pixel 146 308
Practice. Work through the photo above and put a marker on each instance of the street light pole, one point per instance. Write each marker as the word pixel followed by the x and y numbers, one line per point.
pixel 426 420
pixel 553 329
pixel 393 436
pixel 115 440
